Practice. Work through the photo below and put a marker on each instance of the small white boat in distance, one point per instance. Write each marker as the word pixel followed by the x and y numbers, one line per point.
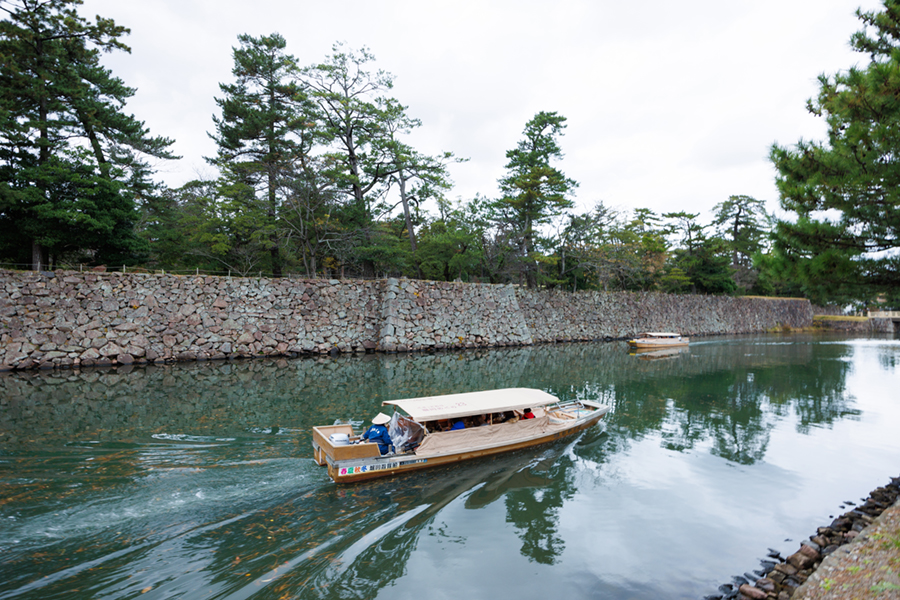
pixel 657 353
pixel 494 421
pixel 658 340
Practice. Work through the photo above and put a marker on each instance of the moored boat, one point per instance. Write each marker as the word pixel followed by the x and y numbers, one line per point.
pixel 658 339
pixel 495 421
pixel 656 353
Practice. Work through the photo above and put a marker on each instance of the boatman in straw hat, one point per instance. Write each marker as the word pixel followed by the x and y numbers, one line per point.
pixel 378 433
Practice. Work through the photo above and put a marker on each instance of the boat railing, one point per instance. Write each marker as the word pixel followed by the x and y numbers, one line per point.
pixel 565 407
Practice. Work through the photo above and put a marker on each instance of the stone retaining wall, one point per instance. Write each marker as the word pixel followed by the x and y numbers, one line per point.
pixel 560 316
pixel 855 325
pixel 421 315
pixel 68 319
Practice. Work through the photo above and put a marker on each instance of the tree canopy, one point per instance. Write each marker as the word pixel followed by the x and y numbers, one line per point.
pixel 316 175
pixel 844 243
pixel 533 190
pixel 72 164
pixel 260 135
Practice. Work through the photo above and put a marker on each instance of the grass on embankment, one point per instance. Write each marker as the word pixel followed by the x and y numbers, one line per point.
pixel 839 318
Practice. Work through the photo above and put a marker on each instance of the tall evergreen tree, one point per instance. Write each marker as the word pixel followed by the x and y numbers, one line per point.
pixel 703 261
pixel 261 135
pixel 707 267
pixel 743 223
pixel 533 190
pixel 845 241
pixel 71 162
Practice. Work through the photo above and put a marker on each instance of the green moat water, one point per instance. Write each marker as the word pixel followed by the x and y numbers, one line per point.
pixel 197 480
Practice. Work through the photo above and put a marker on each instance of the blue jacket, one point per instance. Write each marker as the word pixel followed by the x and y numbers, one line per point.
pixel 379 434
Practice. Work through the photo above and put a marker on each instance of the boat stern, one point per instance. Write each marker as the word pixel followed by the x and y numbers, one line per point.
pixel 332 443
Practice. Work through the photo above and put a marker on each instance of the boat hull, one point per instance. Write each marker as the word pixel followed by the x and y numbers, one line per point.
pixel 642 344
pixel 657 353
pixel 355 470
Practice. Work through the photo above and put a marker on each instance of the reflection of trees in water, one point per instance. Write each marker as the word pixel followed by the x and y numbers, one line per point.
pixel 367 534
pixel 889 357
pixel 329 542
pixel 533 486
pixel 729 392
pixel 736 407
pixel 815 393
pixel 355 541
pixel 726 408
pixel 534 511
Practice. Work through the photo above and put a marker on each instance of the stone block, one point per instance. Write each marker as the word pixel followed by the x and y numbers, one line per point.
pixel 800 560
pixel 90 354
pixel 753 593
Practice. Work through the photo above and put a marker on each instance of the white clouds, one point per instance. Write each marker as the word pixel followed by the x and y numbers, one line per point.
pixel 670 105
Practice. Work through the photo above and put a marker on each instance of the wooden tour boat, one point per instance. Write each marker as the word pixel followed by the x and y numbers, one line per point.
pixel 658 353
pixel 657 340
pixel 419 442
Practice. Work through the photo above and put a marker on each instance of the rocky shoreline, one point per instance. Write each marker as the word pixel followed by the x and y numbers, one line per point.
pixel 779 577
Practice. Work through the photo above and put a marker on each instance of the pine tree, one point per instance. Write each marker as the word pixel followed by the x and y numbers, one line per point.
pixel 845 191
pixel 262 136
pixel 533 190
pixel 743 223
pixel 72 163
pixel 360 127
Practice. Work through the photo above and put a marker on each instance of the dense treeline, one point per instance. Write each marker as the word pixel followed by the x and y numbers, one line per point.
pixel 316 177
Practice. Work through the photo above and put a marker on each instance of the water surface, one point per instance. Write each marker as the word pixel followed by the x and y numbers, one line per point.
pixel 198 480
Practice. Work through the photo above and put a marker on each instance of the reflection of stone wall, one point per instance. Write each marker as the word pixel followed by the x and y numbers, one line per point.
pixel 71 319
pixel 218 398
pixel 235 397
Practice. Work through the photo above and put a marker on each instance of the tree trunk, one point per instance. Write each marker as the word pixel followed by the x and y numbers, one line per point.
pixel 276 261
pixel 405 200
pixel 527 249
pixel 37 256
pixel 272 193
pixel 37 249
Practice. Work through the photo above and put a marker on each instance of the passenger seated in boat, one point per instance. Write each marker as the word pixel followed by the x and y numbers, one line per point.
pixel 528 414
pixel 378 433
pixel 457 424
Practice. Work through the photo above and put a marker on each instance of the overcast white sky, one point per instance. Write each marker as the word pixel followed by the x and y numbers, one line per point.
pixel 670 105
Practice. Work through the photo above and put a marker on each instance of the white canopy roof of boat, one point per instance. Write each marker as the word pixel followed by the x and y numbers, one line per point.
pixel 431 408
pixel 659 334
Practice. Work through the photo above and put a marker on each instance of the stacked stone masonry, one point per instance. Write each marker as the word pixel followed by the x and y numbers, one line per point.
pixel 67 319
pixel 855 325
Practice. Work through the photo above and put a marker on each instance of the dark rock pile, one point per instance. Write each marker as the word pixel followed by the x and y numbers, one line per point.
pixel 778 578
